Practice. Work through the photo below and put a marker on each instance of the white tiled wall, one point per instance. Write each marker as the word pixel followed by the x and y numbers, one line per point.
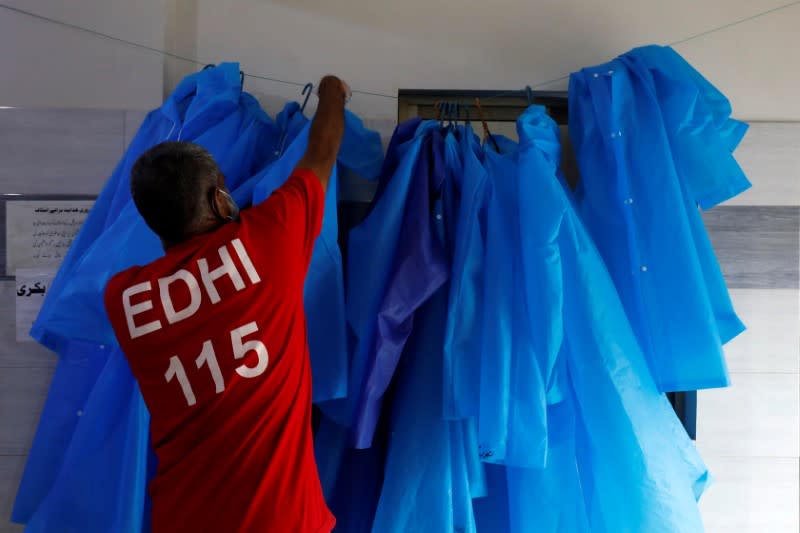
pixel 749 434
pixel 56 151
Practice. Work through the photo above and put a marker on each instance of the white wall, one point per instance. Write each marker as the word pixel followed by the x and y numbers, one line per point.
pixel 44 65
pixel 383 46
pixel 500 44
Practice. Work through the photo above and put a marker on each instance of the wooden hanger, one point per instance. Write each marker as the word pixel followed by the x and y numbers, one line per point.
pixel 486 133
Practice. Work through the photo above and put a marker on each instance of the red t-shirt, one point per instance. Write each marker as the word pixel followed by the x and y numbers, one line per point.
pixel 215 334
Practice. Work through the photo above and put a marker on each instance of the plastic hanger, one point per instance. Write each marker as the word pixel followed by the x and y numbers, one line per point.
pixel 529 94
pixel 307 90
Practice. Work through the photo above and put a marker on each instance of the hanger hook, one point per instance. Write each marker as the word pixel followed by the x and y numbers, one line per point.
pixel 307 90
pixel 241 79
pixel 486 133
pixel 467 119
pixel 529 94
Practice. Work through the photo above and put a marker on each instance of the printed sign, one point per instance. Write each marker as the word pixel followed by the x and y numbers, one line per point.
pixel 32 285
pixel 39 232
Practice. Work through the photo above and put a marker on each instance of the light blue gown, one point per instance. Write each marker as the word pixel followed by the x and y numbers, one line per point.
pixel 463 334
pixel 638 469
pixel 654 143
pixel 512 422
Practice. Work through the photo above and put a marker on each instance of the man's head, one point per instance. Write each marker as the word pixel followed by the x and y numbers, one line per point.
pixel 180 192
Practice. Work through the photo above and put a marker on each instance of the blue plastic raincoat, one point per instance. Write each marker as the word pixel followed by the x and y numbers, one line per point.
pixel 463 334
pixel 374 243
pixel 654 143
pixel 352 479
pixel 431 470
pixel 638 469
pixel 512 415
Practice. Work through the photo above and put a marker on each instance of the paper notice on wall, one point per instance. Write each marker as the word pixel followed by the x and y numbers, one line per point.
pixel 31 285
pixel 39 232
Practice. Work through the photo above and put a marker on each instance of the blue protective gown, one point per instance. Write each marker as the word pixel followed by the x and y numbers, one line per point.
pixel 75 412
pixel 106 465
pixel 78 312
pixel 373 243
pixel 127 236
pixel 418 270
pixel 200 102
pixel 396 150
pixel 463 333
pixel 352 479
pixel 638 469
pixel 512 414
pixel 424 469
pixel 431 471
pixel 654 142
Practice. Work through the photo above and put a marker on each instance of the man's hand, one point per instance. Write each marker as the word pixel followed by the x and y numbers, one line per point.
pixel 327 129
pixel 332 84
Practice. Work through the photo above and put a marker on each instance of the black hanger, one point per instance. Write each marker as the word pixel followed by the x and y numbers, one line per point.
pixel 448 113
pixel 529 94
pixel 307 90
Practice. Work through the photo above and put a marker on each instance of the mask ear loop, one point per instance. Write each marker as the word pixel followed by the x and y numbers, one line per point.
pixel 214 205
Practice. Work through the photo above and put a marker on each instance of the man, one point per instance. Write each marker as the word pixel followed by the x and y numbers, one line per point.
pixel 215 335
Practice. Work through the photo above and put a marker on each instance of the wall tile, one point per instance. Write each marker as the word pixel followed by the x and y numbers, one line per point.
pixel 752 495
pixel 758 416
pixel 133 120
pixel 22 395
pixel 770 155
pixel 770 343
pixel 757 246
pixel 52 151
pixel 11 468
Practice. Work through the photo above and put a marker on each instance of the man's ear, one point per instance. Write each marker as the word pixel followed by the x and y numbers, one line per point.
pixel 220 203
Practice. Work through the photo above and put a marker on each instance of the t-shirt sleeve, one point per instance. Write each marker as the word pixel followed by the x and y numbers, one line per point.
pixel 296 208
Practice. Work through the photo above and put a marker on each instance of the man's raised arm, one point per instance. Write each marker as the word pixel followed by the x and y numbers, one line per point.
pixel 327 129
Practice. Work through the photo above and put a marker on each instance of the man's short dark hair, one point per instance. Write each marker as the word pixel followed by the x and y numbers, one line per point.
pixel 171 185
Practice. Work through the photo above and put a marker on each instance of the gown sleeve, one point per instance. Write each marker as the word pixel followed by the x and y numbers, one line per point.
pixel 702 134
